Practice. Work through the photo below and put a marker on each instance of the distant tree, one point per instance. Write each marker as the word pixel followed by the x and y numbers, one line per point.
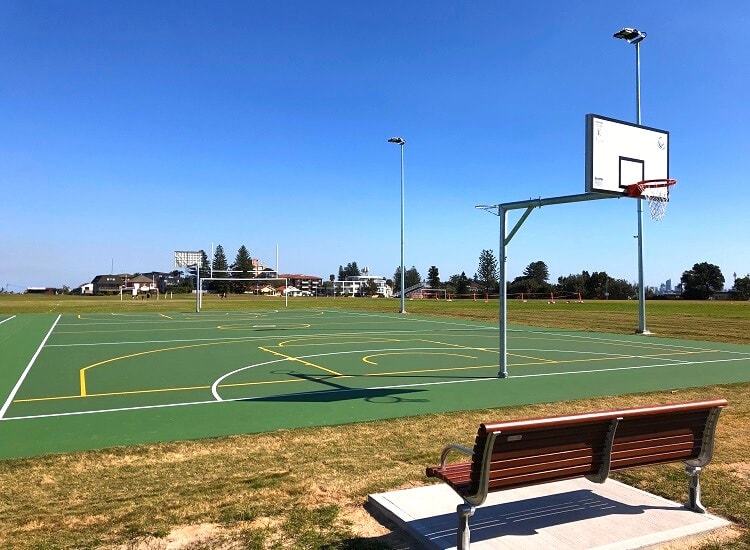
pixel 537 270
pixel 573 283
pixel 371 288
pixel 397 280
pixel 219 262
pixel 219 266
pixel 459 283
pixel 243 262
pixel 700 282
pixel 205 266
pixel 620 289
pixel 243 265
pixel 529 285
pixel 597 285
pixel 433 277
pixel 412 277
pixel 533 280
pixel 742 287
pixel 486 275
pixel 351 270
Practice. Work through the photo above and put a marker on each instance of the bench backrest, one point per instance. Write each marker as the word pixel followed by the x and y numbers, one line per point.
pixel 537 450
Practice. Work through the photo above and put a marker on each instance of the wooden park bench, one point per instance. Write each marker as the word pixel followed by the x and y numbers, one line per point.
pixel 526 452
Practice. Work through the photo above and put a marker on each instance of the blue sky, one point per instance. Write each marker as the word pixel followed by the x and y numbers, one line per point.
pixel 134 129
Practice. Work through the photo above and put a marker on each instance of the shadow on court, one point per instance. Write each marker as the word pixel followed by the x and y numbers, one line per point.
pixel 336 392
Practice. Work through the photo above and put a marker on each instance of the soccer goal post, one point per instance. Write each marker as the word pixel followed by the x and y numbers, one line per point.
pixel 270 287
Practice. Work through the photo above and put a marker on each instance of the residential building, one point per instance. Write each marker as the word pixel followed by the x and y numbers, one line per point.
pixel 304 283
pixel 357 285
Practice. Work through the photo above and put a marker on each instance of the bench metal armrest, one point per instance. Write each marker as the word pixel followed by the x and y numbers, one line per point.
pixel 454 447
pixel 694 466
pixel 707 444
pixel 603 473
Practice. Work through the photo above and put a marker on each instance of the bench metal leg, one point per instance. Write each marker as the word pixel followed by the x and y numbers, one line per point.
pixel 694 489
pixel 463 536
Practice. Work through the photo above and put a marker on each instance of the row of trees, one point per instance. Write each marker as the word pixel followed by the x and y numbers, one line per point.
pixel 705 279
pixel 699 283
pixel 243 267
pixel 535 280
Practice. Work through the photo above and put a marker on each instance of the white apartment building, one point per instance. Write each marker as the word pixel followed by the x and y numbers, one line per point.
pixel 356 285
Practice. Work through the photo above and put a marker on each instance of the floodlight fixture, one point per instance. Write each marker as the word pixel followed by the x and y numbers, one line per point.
pixel 633 36
pixel 397 140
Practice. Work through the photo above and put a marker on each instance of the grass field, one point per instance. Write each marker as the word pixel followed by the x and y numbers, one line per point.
pixel 717 321
pixel 305 488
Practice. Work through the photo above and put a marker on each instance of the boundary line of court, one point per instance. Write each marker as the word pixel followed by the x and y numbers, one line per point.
pixel 17 387
pixel 8 319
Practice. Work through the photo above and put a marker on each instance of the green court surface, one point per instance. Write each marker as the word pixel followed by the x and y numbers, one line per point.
pixel 74 382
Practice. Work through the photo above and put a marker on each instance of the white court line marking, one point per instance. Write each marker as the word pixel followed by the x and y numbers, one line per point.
pixel 17 387
pixel 305 336
pixel 8 319
pixel 415 385
pixel 215 385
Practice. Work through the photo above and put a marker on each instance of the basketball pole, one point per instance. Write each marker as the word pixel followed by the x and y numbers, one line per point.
pixel 634 36
pixel 641 279
pixel 501 210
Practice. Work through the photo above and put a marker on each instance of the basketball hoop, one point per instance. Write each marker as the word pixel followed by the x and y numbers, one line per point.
pixel 657 200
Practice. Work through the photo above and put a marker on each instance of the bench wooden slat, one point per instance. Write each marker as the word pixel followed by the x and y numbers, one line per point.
pixel 501 460
pixel 533 478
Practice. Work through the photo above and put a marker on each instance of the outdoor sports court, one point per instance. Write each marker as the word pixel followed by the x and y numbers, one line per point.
pixel 72 382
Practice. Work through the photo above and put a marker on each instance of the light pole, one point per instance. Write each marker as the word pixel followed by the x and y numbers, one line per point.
pixel 401 142
pixel 634 36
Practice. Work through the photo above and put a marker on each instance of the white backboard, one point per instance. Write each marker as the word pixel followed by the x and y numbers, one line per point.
pixel 187 258
pixel 621 153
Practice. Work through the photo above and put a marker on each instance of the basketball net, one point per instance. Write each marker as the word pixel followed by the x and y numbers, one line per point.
pixel 657 202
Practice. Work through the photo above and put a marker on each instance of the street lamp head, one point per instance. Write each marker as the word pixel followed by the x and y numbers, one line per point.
pixel 397 140
pixel 633 36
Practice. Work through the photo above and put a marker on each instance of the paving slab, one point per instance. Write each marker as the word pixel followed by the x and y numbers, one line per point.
pixel 574 514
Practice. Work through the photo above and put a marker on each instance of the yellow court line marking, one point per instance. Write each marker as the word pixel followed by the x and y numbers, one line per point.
pixel 82 372
pixel 366 358
pixel 429 370
pixel 592 359
pixel 158 390
pixel 279 326
pixel 532 358
pixel 487 350
pixel 118 330
pixel 300 342
pixel 167 316
pixel 308 363
pixel 603 342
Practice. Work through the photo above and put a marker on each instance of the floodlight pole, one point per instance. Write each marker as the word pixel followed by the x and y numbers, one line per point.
pixel 634 36
pixel 401 142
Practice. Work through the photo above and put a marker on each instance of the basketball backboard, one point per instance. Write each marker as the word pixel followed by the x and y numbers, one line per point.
pixel 621 153
pixel 187 258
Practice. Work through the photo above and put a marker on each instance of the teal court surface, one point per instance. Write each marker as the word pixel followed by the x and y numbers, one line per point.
pixel 72 382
